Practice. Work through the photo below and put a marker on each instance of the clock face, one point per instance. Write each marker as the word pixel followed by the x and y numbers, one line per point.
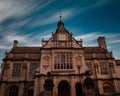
pixel 62 37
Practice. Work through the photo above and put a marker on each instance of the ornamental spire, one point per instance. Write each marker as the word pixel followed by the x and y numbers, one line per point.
pixel 60 23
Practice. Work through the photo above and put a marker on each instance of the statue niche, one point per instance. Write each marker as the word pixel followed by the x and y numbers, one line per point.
pixel 45 62
pixel 79 60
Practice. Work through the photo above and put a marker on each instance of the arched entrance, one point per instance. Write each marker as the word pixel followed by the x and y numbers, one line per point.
pixel 30 91
pixel 89 86
pixel 63 88
pixel 78 88
pixel 48 87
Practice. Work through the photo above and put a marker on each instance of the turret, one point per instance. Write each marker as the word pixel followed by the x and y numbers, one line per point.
pixel 102 42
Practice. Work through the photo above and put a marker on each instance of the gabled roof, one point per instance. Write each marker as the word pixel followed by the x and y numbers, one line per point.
pixel 94 50
pixel 25 49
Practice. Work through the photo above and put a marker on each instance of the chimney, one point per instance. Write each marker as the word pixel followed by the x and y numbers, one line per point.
pixel 15 43
pixel 102 42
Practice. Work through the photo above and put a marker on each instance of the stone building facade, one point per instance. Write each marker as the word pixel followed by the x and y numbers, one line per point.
pixel 62 66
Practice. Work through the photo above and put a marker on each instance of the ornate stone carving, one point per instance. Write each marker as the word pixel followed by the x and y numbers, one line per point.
pixel 24 66
pixel 46 62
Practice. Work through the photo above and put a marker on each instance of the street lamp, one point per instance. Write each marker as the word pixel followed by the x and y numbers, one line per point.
pixel 80 89
pixel 78 67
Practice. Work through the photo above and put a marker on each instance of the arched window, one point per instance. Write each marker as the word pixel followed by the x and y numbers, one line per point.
pixel 107 88
pixel 63 88
pixel 13 90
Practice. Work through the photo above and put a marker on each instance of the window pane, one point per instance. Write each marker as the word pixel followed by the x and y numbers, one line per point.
pixel 103 68
pixel 13 90
pixel 16 69
pixel 33 67
pixel 63 60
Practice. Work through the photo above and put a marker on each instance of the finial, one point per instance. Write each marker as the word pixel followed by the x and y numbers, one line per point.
pixel 60 16
pixel 60 23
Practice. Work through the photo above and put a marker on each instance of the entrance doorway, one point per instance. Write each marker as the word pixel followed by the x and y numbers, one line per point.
pixel 63 88
pixel 78 88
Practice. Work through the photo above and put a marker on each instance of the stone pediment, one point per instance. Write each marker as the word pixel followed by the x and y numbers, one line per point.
pixel 61 39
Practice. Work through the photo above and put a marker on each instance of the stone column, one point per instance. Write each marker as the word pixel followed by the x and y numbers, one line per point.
pixel 116 86
pixel 21 90
pixel 55 89
pixel 72 85
pixel 100 87
pixel 3 89
pixel 36 86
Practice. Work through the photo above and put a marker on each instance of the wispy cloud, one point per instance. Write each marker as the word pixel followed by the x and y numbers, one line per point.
pixel 11 8
pixel 11 37
pixel 67 13
pixel 52 18
pixel 112 41
pixel 17 8
pixel 89 36
pixel 93 4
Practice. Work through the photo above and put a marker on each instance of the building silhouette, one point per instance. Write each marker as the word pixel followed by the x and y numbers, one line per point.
pixel 62 66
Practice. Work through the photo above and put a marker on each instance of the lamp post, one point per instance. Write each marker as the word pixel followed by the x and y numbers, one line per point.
pixel 80 89
pixel 78 67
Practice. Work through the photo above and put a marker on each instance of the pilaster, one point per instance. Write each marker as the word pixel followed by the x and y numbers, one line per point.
pixel 2 89
pixel 21 89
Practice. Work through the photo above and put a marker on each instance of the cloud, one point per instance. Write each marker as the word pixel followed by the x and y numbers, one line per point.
pixel 112 41
pixel 30 39
pixel 92 4
pixel 11 37
pixel 89 38
pixel 50 18
pixel 53 15
pixel 112 38
pixel 11 8
pixel 17 8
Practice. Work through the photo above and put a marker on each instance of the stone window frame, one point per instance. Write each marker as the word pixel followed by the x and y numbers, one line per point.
pixel 103 67
pixel 16 69
pixel 13 90
pixel 32 68
pixel 63 60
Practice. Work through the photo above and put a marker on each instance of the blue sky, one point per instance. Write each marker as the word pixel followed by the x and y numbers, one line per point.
pixel 28 21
